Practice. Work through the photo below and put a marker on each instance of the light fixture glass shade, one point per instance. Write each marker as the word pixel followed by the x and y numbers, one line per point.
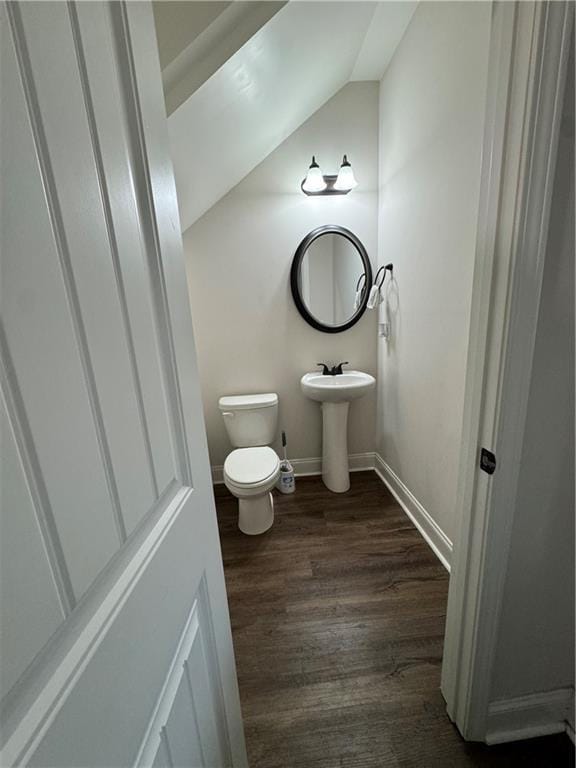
pixel 314 181
pixel 346 180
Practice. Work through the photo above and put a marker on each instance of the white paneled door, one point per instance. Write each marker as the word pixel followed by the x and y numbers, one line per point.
pixel 115 639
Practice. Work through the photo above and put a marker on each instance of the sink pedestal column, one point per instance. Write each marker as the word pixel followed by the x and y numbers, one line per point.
pixel 335 471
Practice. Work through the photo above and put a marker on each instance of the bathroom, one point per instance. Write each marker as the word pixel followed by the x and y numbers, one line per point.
pixel 413 136
pixel 375 498
pixel 286 384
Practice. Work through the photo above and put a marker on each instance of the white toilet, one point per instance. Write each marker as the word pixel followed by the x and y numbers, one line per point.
pixel 251 471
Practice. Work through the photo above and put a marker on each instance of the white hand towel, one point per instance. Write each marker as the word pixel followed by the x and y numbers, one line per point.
pixel 375 297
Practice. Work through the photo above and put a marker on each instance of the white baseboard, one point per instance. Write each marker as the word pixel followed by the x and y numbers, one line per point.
pixel 526 717
pixel 570 717
pixel 432 533
pixel 358 462
pixel 430 530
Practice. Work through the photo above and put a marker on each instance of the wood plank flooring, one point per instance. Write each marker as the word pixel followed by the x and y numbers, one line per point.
pixel 338 620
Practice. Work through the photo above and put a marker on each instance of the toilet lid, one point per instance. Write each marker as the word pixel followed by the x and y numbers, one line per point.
pixel 247 466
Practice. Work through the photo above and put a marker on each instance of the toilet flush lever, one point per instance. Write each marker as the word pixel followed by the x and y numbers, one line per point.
pixel 228 414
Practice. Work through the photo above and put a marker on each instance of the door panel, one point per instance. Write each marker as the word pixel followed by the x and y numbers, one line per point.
pixel 199 670
pixel 117 649
pixel 25 581
pixel 43 371
pixel 85 249
pixel 186 727
pixel 129 668
pixel 181 734
pixel 162 758
pixel 134 279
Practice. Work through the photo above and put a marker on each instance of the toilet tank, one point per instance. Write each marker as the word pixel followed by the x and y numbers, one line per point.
pixel 250 419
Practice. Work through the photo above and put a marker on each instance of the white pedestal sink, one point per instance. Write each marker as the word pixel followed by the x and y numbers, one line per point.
pixel 335 394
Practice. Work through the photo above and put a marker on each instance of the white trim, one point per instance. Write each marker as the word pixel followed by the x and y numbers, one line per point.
pixel 570 717
pixel 358 462
pixel 496 135
pixel 361 462
pixel 165 702
pixel 528 58
pixel 526 717
pixel 434 536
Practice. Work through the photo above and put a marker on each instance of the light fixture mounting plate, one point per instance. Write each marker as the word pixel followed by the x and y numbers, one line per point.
pixel 330 180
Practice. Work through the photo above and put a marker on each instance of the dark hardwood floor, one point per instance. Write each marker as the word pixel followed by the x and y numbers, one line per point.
pixel 338 620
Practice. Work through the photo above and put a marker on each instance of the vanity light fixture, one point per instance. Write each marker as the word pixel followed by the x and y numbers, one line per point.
pixel 317 183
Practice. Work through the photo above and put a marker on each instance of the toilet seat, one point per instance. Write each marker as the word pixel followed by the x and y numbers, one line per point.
pixel 251 469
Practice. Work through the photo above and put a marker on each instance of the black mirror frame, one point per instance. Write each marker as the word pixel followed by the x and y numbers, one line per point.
pixel 295 272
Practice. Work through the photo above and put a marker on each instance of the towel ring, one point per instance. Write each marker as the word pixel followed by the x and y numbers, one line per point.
pixel 382 270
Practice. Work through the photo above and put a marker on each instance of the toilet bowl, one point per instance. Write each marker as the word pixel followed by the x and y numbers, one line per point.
pixel 250 474
pixel 252 468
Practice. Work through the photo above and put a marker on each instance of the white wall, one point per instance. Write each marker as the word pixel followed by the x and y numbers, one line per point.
pixel 250 337
pixel 432 101
pixel 535 651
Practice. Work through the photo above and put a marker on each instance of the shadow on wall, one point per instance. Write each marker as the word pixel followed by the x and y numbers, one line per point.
pixel 390 313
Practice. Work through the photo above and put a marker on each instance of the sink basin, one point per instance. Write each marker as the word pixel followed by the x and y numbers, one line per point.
pixel 337 389
pixel 335 394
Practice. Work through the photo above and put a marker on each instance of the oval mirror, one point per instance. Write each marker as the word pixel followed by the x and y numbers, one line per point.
pixel 331 278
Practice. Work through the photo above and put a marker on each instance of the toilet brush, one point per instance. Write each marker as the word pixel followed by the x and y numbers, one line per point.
pixel 286 481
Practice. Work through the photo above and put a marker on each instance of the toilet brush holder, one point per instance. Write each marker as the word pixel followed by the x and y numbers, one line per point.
pixel 286 481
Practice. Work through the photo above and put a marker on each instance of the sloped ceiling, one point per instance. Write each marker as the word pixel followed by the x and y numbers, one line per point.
pixel 178 24
pixel 385 31
pixel 263 92
pixel 195 38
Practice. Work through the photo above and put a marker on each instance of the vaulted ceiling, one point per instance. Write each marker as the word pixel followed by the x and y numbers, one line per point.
pixel 240 77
